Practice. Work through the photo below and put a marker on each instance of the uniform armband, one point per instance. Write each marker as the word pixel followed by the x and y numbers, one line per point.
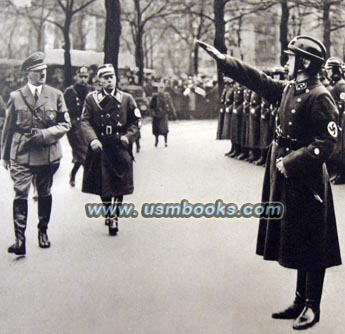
pixel 62 117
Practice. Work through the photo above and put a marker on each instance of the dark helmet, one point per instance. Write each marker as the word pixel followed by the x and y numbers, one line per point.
pixel 307 47
pixel 334 62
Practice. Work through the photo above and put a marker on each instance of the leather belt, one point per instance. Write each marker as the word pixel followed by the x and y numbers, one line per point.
pixel 293 144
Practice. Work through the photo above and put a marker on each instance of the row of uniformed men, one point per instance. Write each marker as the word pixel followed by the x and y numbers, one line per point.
pixel 247 120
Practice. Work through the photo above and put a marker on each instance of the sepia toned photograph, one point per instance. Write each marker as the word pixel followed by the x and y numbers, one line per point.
pixel 172 167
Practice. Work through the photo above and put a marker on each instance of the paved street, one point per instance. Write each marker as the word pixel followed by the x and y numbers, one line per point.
pixel 158 276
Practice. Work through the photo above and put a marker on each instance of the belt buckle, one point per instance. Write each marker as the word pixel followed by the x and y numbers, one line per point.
pixel 109 130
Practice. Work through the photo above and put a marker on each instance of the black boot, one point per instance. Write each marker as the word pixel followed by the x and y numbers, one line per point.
pixel 311 312
pixel 234 151
pixel 113 226
pixel 293 311
pixel 243 155
pixel 309 316
pixel 44 210
pixel 20 213
pixel 74 173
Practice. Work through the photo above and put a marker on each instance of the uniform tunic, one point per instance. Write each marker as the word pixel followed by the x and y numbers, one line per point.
pixel 306 236
pixel 49 114
pixel 75 96
pixel 108 117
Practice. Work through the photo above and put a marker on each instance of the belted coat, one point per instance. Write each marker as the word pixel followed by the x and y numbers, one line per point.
pixel 108 117
pixel 305 237
pixel 75 96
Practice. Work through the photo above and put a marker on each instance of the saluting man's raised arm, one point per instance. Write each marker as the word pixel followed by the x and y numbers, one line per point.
pixel 211 50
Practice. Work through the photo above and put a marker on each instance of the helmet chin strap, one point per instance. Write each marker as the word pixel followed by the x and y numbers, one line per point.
pixel 301 64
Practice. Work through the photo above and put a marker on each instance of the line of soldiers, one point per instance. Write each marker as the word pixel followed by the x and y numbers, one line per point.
pixel 334 72
pixel 247 120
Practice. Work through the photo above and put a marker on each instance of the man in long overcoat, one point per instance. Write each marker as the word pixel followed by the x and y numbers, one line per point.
pixel 75 96
pixel 336 87
pixel 110 123
pixel 161 106
pixel 305 238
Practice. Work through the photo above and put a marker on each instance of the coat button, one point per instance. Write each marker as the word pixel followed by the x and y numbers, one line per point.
pixel 316 151
pixel 102 116
pixel 117 115
pixel 307 90
pixel 287 149
pixel 287 136
pixel 293 111
pixel 299 99
pixel 102 134
pixel 290 123
pixel 117 133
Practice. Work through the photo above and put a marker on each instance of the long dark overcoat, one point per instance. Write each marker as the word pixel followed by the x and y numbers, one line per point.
pixel 161 106
pixel 75 96
pixel 254 121
pixel 224 130
pixel 237 114
pixel 306 236
pixel 107 118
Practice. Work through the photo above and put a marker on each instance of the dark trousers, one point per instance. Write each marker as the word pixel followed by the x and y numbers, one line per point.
pixel 309 286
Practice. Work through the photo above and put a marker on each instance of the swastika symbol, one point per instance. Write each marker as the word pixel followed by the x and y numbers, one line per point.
pixel 332 129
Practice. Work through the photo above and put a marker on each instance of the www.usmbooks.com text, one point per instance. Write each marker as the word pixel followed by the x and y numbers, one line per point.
pixel 185 209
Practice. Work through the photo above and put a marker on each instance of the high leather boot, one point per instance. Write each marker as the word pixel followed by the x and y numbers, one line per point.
pixel 244 155
pixel 114 222
pixel 234 151
pixel 311 312
pixel 293 311
pixel 20 213
pixel 44 210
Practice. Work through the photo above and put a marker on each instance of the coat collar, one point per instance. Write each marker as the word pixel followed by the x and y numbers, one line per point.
pixel 306 85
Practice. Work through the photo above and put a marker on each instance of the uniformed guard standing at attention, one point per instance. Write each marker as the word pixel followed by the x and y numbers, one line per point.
pixel 245 126
pixel 336 87
pixel 36 118
pixel 236 120
pixel 305 238
pixel 110 123
pixel 75 96
pixel 254 127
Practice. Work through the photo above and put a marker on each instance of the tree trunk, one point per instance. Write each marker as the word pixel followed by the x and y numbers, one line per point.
pixel 112 33
pixel 139 55
pixel 139 49
pixel 219 39
pixel 327 27
pixel 67 53
pixel 284 21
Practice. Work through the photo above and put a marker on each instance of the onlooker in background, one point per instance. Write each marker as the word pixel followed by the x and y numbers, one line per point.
pixel 161 107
